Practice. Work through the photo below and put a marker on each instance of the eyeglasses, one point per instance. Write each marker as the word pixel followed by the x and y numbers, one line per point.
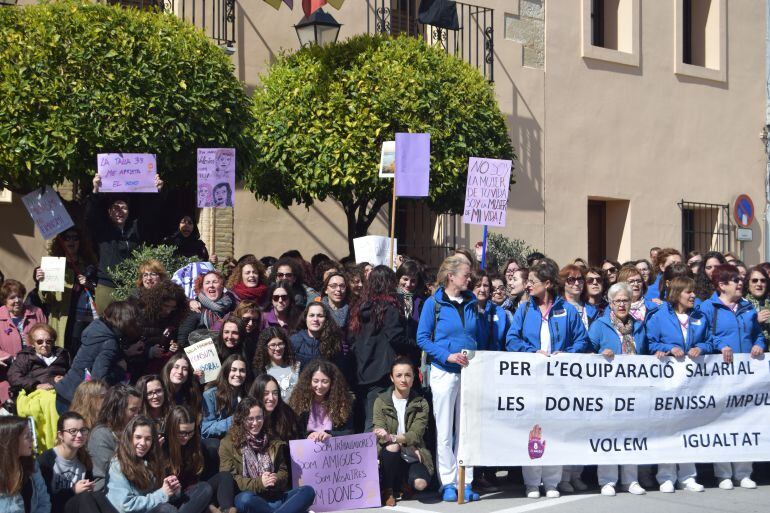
pixel 593 280
pixel 254 420
pixel 284 275
pixel 186 434
pixel 275 347
pixel 574 279
pixel 41 341
pixel 499 288
pixel 280 297
pixel 335 286
pixel 619 302
pixel 73 432
pixel 634 282
pixel 154 393
pixel 610 270
pixel 737 279
pixel 758 280
pixel 150 275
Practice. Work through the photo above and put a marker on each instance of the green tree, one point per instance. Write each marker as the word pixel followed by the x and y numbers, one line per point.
pixel 126 272
pixel 77 79
pixel 322 114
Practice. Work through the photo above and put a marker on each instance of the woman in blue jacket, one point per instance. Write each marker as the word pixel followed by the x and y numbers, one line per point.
pixel 734 329
pixel 676 328
pixel 548 325
pixel 449 323
pixel 617 332
pixel 219 401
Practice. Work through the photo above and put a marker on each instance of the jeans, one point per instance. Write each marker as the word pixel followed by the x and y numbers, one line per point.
pixel 195 499
pixel 297 500
pixel 223 486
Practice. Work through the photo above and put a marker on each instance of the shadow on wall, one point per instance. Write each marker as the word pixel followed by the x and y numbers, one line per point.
pixel 242 19
pixel 17 260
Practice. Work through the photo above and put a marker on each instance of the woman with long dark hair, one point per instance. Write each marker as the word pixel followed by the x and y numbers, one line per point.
pixel 283 311
pixel 250 314
pixel 230 340
pixel 322 401
pixel 181 383
pixel 377 335
pixel 22 488
pixel 155 400
pixel 755 291
pixel 317 336
pixel 219 401
pixel 187 240
pixel 275 356
pixel 280 420
pixel 163 308
pixel 704 288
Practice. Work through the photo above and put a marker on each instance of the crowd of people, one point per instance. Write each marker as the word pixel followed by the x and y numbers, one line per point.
pixel 317 349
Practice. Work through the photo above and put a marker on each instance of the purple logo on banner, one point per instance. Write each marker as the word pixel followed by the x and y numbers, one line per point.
pixel 412 165
pixel 127 172
pixel 342 471
pixel 486 192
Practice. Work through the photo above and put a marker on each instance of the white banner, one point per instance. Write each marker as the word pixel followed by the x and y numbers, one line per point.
pixel 529 409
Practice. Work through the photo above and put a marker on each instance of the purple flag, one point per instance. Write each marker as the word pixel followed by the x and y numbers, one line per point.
pixel 412 165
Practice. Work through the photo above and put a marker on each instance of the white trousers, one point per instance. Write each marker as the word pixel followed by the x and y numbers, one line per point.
pixel 446 410
pixel 549 475
pixel 737 470
pixel 669 472
pixel 608 474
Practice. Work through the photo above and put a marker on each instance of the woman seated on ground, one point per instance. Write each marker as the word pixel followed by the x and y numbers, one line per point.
pixel 184 458
pixel 258 465
pixel 400 421
pixel 219 401
pixel 41 364
pixel 88 399
pixel 230 339
pixel 155 402
pixel 21 481
pixel 275 356
pixel 66 468
pixel 280 420
pixel 322 401
pixel 137 483
pixel 181 383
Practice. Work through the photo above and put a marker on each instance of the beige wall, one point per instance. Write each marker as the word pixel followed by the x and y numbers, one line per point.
pixel 21 245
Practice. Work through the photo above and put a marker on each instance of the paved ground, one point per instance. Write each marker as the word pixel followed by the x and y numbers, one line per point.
pixel 511 500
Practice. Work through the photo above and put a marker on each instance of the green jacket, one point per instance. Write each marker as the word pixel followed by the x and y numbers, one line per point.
pixel 231 460
pixel 416 420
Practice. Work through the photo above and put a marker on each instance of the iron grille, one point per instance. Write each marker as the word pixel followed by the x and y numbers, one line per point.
pixel 473 42
pixel 705 227
pixel 423 234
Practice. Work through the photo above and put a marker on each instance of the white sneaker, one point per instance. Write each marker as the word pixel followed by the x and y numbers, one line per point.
pixel 533 492
pixel 667 487
pixel 608 490
pixel 635 489
pixel 578 484
pixel 691 485
pixel 726 484
pixel 552 493
pixel 565 487
pixel 749 483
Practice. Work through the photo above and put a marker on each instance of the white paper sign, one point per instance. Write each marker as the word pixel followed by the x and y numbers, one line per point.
pixel 374 249
pixel 48 212
pixel 388 159
pixel 203 357
pixel 582 409
pixel 53 268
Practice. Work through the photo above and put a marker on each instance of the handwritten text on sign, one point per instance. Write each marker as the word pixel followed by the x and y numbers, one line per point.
pixel 486 193
pixel 127 172
pixel 47 211
pixel 203 357
pixel 342 471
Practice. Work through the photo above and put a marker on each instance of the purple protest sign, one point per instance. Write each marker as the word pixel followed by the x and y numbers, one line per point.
pixel 486 191
pixel 127 172
pixel 216 177
pixel 47 211
pixel 342 471
pixel 412 165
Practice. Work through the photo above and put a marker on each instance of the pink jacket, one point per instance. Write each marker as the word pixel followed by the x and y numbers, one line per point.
pixel 10 339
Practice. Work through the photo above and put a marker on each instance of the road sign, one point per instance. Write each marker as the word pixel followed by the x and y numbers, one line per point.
pixel 744 234
pixel 743 211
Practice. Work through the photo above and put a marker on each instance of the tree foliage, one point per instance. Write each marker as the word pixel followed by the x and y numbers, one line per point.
pixel 500 249
pixel 126 272
pixel 77 79
pixel 322 114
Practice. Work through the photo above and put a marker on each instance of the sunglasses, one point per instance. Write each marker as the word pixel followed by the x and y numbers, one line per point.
pixel 758 280
pixel 593 280
pixel 610 270
pixel 41 341
pixel 280 297
pixel 284 275
pixel 574 279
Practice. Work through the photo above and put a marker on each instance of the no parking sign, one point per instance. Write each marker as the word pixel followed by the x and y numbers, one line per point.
pixel 743 211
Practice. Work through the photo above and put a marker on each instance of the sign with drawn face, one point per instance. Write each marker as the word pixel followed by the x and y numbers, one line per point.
pixel 216 177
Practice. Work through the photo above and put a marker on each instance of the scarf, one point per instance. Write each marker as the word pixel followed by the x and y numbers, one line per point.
pixel 215 311
pixel 626 330
pixel 258 293
pixel 256 459
pixel 638 310
pixel 408 302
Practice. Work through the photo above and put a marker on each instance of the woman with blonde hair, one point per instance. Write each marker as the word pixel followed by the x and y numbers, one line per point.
pixel 151 272
pixel 88 399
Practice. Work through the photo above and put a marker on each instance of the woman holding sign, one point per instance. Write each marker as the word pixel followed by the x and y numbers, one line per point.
pixel 322 401
pixel 617 332
pixel 258 464
pixel 546 324
pixel 734 329
pixel 449 325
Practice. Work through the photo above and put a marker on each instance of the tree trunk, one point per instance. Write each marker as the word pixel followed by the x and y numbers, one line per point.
pixel 360 217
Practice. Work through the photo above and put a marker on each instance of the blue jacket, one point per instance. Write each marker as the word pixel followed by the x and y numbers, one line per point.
pixel 496 320
pixel 739 330
pixel 40 503
pixel 603 335
pixel 126 498
pixel 564 323
pixel 664 331
pixel 653 291
pixel 215 423
pixel 447 333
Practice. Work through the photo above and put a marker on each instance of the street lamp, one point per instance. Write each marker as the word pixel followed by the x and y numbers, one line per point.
pixel 319 28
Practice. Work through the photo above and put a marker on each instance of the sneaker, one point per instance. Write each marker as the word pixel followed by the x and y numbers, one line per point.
pixel 726 484
pixel 635 489
pixel 691 485
pixel 667 487
pixel 552 493
pixel 749 483
pixel 470 495
pixel 608 490
pixel 482 484
pixel 578 484
pixel 565 487
pixel 533 492
pixel 449 494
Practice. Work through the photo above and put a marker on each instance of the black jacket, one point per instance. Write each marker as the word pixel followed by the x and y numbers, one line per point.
pixel 375 349
pixel 28 370
pixel 58 500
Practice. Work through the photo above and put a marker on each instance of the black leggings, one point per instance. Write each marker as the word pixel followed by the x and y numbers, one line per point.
pixel 395 469
pixel 224 489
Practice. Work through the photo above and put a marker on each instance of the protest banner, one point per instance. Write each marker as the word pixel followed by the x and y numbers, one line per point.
pixel 412 172
pixel 342 471
pixel 53 269
pixel 374 249
pixel 203 357
pixel 127 172
pixel 47 211
pixel 216 177
pixel 486 191
pixel 579 409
